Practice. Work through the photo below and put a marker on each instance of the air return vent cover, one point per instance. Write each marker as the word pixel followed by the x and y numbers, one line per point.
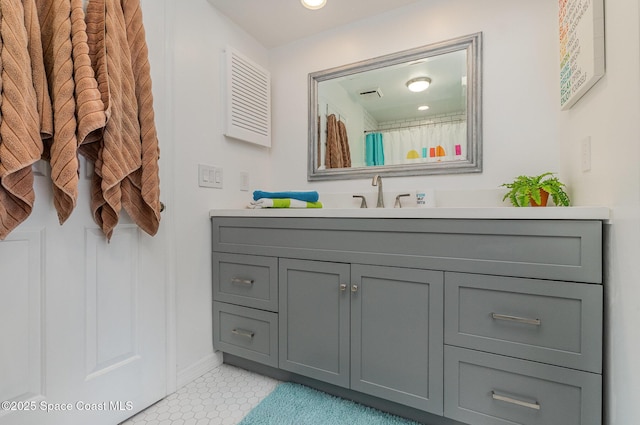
pixel 371 94
pixel 248 100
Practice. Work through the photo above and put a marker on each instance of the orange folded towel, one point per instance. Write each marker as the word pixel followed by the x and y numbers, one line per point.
pixel 20 126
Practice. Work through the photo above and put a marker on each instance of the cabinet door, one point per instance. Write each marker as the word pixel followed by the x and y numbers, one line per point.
pixel 397 335
pixel 314 319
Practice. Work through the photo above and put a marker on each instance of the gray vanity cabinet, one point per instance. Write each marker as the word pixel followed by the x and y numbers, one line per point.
pixel 482 322
pixel 369 328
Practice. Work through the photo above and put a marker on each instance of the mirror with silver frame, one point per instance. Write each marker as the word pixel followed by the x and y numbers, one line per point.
pixel 366 118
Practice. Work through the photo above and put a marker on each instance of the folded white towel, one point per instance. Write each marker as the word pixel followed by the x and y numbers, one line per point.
pixel 283 203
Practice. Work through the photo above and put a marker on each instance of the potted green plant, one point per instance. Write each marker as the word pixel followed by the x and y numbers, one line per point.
pixel 535 190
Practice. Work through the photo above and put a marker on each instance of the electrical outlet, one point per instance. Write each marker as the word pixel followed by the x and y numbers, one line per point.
pixel 585 154
pixel 244 181
pixel 209 176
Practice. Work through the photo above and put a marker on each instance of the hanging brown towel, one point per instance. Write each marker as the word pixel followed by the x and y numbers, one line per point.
pixel 20 126
pixel 141 191
pixel 126 161
pixel 344 144
pixel 55 23
pixel 89 107
pixel 318 143
pixel 32 25
pixel 333 152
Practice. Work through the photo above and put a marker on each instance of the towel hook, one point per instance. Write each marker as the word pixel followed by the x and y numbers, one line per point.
pixel 162 206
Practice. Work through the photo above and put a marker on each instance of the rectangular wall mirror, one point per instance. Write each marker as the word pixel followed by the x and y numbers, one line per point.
pixel 414 112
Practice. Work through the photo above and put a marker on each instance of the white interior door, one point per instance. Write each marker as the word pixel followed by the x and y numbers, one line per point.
pixel 84 322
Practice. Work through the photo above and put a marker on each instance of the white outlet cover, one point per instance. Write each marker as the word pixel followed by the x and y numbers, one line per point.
pixel 585 154
pixel 244 181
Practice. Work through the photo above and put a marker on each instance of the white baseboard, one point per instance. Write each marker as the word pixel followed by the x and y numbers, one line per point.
pixel 199 368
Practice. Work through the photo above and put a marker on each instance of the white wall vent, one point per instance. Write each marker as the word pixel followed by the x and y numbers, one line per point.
pixel 248 100
pixel 371 94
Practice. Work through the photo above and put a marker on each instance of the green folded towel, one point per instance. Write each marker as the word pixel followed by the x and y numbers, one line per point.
pixel 283 203
pixel 302 195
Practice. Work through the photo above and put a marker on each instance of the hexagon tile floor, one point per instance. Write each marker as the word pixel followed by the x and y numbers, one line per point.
pixel 221 397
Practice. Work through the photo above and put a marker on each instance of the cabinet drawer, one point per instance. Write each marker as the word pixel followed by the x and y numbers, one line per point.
pixel 246 332
pixel 246 280
pixel 568 250
pixel 487 389
pixel 552 322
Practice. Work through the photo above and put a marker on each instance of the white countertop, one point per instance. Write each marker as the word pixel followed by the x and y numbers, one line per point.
pixel 495 213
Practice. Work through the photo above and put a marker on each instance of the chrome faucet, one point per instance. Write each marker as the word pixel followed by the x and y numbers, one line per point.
pixel 377 181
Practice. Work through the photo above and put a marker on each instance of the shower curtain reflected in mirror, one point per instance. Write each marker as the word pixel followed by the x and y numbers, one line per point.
pixel 427 143
pixel 374 149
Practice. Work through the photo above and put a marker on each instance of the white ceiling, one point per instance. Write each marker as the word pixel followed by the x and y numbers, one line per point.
pixel 278 22
pixel 446 94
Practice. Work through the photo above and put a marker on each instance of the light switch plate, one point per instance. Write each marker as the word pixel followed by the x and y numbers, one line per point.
pixel 210 176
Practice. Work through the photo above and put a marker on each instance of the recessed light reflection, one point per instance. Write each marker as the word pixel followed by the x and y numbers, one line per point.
pixel 313 4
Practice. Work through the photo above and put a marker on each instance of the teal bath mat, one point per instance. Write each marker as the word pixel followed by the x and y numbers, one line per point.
pixel 293 404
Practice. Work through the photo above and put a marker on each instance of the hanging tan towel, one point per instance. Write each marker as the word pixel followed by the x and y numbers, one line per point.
pixel 141 191
pixel 333 153
pixel 104 215
pixel 55 23
pixel 89 107
pixel 344 145
pixel 20 140
pixel 127 158
pixel 32 25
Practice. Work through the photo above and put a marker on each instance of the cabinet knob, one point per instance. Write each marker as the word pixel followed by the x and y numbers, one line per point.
pixel 343 287
pixel 354 288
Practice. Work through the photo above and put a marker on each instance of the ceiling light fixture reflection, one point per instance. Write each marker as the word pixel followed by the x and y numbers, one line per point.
pixel 423 108
pixel 313 4
pixel 418 84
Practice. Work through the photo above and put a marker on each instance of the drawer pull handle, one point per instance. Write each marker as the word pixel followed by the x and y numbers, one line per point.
pixel 238 281
pixel 242 332
pixel 534 406
pixel 535 322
